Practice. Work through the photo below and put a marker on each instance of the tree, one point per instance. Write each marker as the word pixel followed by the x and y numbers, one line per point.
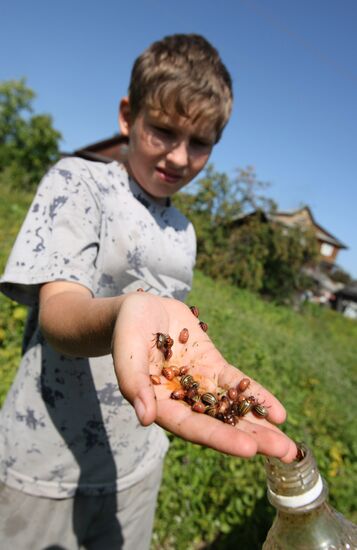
pixel 251 251
pixel 28 142
pixel 289 250
pixel 225 198
pixel 214 202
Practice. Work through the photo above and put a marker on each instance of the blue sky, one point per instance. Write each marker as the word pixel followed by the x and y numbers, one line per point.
pixel 294 68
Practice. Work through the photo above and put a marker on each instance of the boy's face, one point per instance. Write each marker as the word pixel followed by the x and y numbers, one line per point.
pixel 165 153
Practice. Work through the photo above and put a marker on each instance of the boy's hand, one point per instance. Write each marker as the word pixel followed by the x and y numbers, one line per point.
pixel 136 357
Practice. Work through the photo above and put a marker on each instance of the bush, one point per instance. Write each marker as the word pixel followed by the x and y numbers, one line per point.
pixel 12 320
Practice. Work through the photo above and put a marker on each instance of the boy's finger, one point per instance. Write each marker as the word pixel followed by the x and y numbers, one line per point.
pixel 291 454
pixel 271 441
pixel 145 403
pixel 245 439
pixel 138 390
pixel 132 371
pixel 204 430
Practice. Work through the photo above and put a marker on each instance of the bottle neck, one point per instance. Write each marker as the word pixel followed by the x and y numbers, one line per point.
pixel 304 518
pixel 296 487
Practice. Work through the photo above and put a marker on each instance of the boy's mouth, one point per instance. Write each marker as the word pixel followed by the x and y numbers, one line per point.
pixel 168 175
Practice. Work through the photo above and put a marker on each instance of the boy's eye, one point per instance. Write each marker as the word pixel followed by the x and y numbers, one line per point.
pixel 163 131
pixel 200 143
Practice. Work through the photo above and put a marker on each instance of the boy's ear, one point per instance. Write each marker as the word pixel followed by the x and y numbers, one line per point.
pixel 124 116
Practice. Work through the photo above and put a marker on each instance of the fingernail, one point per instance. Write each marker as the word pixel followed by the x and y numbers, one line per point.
pixel 139 409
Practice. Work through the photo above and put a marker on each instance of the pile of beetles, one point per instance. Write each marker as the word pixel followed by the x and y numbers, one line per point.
pixel 226 405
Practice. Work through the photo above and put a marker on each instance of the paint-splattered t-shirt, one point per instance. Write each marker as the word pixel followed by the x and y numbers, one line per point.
pixel 65 427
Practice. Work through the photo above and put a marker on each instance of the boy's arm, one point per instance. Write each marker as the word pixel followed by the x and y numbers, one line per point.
pixel 75 323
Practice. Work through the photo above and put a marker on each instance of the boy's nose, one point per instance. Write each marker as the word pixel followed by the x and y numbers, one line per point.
pixel 178 155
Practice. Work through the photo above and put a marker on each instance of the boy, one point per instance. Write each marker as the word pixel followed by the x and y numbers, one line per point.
pixel 72 452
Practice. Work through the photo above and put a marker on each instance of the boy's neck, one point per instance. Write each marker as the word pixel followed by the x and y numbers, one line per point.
pixel 161 201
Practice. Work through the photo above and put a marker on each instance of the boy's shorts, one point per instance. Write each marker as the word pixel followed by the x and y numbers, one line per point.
pixel 117 521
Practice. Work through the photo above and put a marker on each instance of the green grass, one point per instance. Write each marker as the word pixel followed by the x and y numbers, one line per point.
pixel 307 359
pixel 13 207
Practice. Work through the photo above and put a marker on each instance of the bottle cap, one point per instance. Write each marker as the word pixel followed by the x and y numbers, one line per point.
pixel 295 501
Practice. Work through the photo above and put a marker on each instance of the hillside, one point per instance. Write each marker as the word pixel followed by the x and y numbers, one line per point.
pixel 307 358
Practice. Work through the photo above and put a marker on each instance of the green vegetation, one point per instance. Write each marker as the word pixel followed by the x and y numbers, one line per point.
pixel 13 207
pixel 28 142
pixel 307 358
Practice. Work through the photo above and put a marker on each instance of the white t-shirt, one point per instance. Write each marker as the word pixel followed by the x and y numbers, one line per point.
pixel 65 427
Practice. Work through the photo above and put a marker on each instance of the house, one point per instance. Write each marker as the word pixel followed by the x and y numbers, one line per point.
pixel 324 288
pixel 328 245
pixel 342 298
pixel 105 150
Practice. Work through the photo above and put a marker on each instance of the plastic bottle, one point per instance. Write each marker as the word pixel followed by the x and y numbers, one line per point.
pixel 304 520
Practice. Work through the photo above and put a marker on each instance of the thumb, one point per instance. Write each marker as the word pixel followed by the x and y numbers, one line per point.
pixel 145 404
pixel 132 372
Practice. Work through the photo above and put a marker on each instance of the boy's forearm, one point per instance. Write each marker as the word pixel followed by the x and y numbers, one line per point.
pixel 77 324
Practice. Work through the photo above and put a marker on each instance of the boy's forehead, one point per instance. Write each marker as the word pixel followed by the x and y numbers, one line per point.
pixel 201 126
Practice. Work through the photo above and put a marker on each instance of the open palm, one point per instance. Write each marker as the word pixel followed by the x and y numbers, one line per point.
pixel 136 357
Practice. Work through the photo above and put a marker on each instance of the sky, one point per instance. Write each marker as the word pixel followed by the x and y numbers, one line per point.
pixel 294 70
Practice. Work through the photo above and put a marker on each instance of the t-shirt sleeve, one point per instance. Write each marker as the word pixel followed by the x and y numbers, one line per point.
pixel 60 237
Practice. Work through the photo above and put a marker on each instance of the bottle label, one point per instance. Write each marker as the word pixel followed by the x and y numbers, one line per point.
pixel 295 501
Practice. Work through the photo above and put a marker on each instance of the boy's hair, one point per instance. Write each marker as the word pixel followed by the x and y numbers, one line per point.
pixel 182 74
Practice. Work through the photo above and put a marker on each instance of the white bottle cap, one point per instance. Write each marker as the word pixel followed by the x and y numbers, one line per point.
pixel 295 501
